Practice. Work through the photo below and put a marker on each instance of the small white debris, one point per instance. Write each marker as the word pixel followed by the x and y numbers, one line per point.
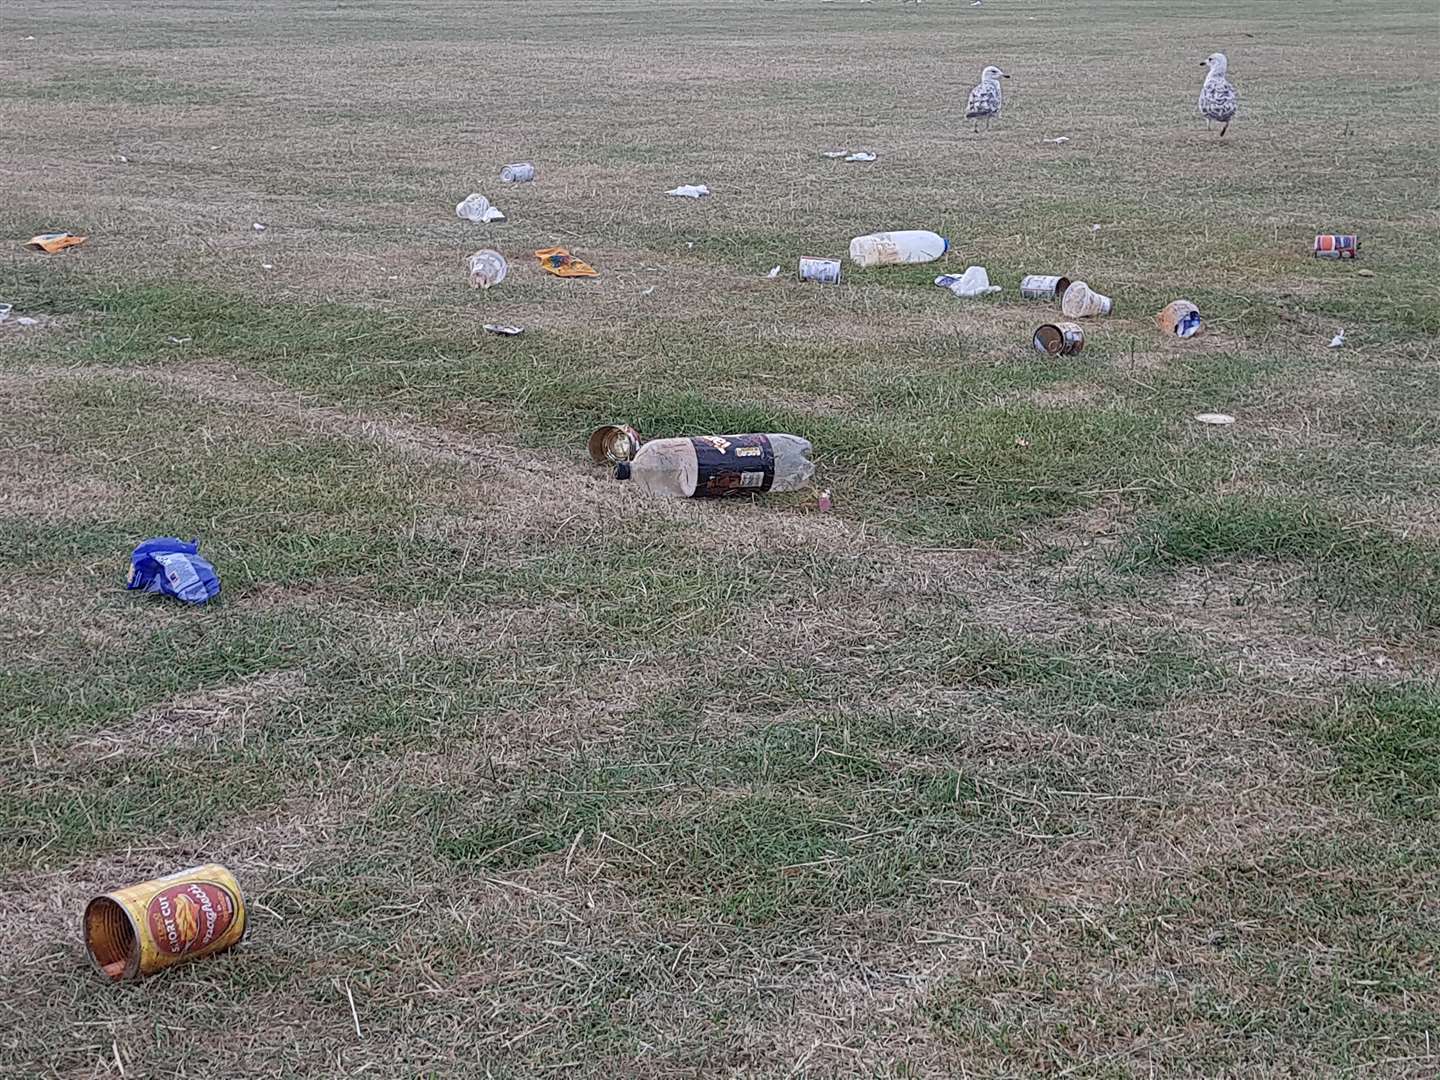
pixel 861 155
pixel 647 292
pixel 834 153
pixel 214 148
pixel 774 273
pixel 503 329
pixel 689 191
pixel 258 227
pixel 1094 228
pixel 494 213
pixel 1060 140
pixel 1339 339
pixel 124 160
pixel 1220 419
pixel 25 320
pixel 267 266
pixel 5 310
pixel 178 340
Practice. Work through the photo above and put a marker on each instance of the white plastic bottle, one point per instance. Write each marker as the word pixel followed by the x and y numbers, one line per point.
pixel 889 248
pixel 710 466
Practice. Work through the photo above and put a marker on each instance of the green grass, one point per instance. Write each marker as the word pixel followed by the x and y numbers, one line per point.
pixel 1078 739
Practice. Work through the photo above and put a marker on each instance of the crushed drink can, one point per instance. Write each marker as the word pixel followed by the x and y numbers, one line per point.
pixel 825 271
pixel 1336 246
pixel 1181 318
pixel 521 172
pixel 1059 339
pixel 613 443
pixel 1043 287
pixel 141 929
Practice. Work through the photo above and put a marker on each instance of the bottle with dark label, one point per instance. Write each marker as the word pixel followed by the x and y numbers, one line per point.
pixel 711 466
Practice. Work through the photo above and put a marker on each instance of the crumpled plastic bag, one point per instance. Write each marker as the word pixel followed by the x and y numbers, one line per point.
pixel 689 191
pixel 561 263
pixel 167 564
pixel 974 282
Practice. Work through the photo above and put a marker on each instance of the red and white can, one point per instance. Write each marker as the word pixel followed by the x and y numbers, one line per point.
pixel 1337 246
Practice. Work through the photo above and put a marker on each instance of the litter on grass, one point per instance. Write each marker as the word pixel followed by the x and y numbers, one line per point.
pixel 1080 302
pixel 1218 419
pixel 561 263
pixel 476 207
pixel 521 172
pixel 774 273
pixel 1181 318
pixel 141 929
pixel 487 268
pixel 1339 339
pixel 168 565
pixel 503 329
pixel 832 154
pixel 51 242
pixel 1043 287
pixel 974 282
pixel 1061 141
pixel 258 227
pixel 5 310
pixel 689 191
pixel 825 271
pixel 613 443
pixel 861 155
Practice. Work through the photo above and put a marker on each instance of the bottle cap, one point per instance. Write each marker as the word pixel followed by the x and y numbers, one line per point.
pixel 622 470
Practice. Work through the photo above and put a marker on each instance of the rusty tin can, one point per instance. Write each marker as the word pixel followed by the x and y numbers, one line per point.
pixel 1336 246
pixel 613 443
pixel 141 929
pixel 1043 287
pixel 1181 318
pixel 1059 339
pixel 825 271
pixel 521 172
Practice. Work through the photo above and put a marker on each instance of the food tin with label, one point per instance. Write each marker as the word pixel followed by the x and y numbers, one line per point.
pixel 1181 318
pixel 613 443
pixel 521 172
pixel 825 271
pixel 1336 246
pixel 1043 287
pixel 1059 339
pixel 141 929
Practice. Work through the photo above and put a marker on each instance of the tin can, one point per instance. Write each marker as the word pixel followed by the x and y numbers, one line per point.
pixel 1181 318
pixel 1059 339
pixel 614 443
pixel 1336 246
pixel 521 172
pixel 825 271
pixel 1042 287
pixel 141 929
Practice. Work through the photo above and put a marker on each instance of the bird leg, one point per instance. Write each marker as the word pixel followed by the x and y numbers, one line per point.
pixel 1224 128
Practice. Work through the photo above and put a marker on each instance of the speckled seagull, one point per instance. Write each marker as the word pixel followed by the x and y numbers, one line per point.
pixel 984 100
pixel 1217 96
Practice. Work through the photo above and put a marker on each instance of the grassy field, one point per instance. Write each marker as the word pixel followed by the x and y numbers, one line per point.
pixel 1080 739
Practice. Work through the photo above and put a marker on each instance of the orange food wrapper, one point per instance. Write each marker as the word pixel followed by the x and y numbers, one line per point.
pixel 52 242
pixel 561 263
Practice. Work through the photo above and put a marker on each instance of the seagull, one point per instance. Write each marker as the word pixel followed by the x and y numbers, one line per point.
pixel 1217 96
pixel 985 98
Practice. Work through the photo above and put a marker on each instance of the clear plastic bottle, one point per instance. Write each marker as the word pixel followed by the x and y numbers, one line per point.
pixel 890 248
pixel 710 466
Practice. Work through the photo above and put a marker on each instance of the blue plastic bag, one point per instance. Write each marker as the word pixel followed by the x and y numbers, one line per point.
pixel 166 564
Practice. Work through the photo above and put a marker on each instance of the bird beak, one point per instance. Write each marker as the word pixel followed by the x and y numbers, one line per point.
pixel 1004 75
pixel 1204 63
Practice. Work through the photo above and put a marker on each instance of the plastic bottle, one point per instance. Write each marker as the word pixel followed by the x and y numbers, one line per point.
pixel 710 466
pixel 889 248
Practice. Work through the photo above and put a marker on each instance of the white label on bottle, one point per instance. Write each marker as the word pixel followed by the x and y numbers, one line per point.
pixel 752 480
